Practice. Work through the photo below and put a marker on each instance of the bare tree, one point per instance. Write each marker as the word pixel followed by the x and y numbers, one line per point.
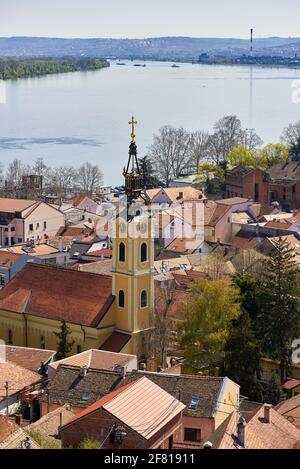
pixel 61 180
pixel 170 152
pixel 199 148
pixel 14 173
pixel 291 134
pixel 251 140
pixel 227 135
pixel 89 178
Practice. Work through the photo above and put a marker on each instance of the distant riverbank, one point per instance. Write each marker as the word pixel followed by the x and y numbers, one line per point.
pixel 14 68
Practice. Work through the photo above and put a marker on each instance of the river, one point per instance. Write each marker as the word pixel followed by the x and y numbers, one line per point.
pixel 83 116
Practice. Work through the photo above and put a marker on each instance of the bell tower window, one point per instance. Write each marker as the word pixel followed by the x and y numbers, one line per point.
pixel 144 253
pixel 122 252
pixel 121 299
pixel 143 299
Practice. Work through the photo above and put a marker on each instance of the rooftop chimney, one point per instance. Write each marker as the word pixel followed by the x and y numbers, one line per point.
pixel 267 412
pixel 241 432
pixel 60 244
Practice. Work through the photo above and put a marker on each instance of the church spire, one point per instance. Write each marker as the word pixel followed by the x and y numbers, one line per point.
pixel 133 174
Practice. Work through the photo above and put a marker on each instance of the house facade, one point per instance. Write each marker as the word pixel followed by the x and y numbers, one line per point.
pixel 22 220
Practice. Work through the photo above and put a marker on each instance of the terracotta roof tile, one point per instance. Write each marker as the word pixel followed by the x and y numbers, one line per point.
pixel 53 292
pixel 18 378
pixel 95 359
pixel 115 342
pixel 15 205
pixel 29 358
pixel 260 434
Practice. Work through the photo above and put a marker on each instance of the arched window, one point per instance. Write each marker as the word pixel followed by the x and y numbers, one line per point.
pixel 42 342
pixel 143 299
pixel 121 299
pixel 122 252
pixel 144 252
pixel 10 337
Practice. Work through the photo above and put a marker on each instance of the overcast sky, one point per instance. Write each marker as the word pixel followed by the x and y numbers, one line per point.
pixel 148 18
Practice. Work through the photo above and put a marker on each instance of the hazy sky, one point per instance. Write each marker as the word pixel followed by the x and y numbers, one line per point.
pixel 146 18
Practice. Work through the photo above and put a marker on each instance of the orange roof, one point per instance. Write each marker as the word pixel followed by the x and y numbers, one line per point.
pixel 260 434
pixel 15 205
pixel 214 212
pixel 57 293
pixel 17 377
pixel 78 199
pixel 141 405
pixel 289 405
pixel 8 259
pixel 279 225
pixel 291 384
pixel 176 194
pixel 185 245
pixel 29 358
pixel 96 359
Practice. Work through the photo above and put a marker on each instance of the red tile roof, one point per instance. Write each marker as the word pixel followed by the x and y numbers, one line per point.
pixel 57 293
pixel 15 205
pixel 29 358
pixel 260 434
pixel 291 384
pixel 115 342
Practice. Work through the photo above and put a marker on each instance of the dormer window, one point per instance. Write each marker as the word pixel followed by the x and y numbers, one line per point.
pixel 194 403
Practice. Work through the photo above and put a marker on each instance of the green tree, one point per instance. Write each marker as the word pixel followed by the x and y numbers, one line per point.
pixel 207 315
pixel 64 345
pixel 241 156
pixel 273 391
pixel 272 154
pixel 242 357
pixel 213 176
pixel 150 181
pixel 248 287
pixel 89 443
pixel 278 316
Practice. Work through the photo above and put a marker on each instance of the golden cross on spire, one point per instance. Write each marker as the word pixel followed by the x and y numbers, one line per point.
pixel 132 122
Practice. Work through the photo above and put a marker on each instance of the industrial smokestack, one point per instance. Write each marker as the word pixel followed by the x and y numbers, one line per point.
pixel 251 42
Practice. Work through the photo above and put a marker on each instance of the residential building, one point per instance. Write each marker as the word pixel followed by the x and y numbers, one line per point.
pixel 30 358
pixel 131 409
pixel 266 429
pixel 14 437
pixel 207 399
pixel 39 253
pixel 217 222
pixel 10 264
pixel 248 183
pixel 290 410
pixel 15 381
pixel 280 183
pixel 47 427
pixel 96 360
pixel 22 220
pixel 173 195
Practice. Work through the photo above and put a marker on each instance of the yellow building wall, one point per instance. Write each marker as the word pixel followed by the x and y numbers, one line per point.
pixel 228 401
pixel 85 337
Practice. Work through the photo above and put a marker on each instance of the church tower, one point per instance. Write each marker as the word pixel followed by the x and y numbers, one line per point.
pixel 133 258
